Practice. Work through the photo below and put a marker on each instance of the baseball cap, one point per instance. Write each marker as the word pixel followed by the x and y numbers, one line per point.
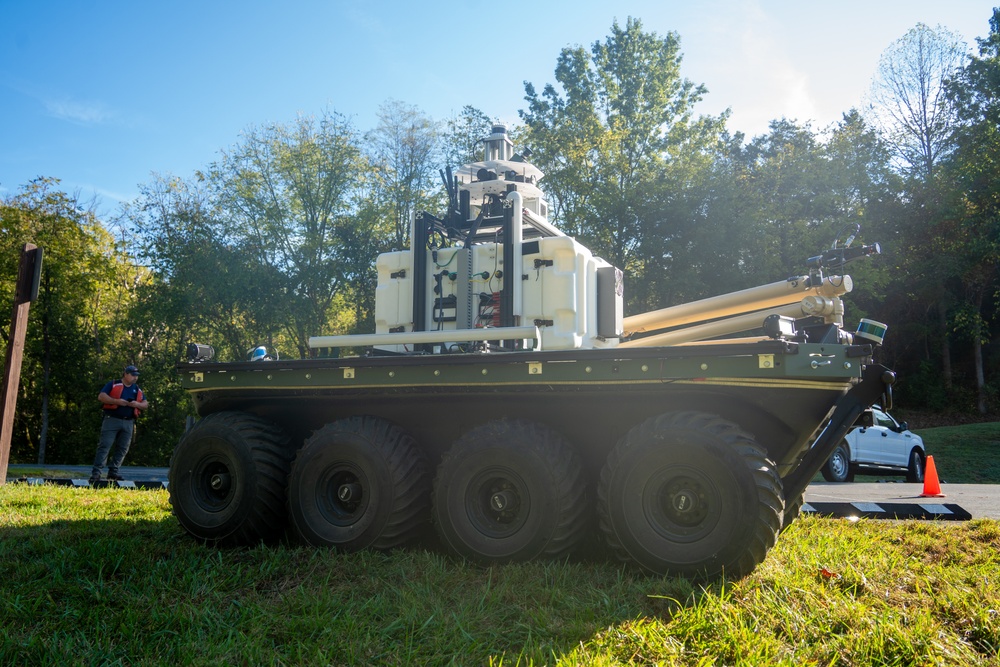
pixel 131 370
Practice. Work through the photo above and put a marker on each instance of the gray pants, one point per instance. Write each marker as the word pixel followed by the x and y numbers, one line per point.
pixel 117 432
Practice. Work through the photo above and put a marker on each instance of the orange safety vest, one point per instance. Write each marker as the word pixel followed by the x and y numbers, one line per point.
pixel 116 392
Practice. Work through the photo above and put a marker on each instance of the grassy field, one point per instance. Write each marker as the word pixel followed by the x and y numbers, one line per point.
pixel 968 454
pixel 107 577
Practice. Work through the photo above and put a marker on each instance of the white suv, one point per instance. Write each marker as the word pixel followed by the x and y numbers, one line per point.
pixel 878 445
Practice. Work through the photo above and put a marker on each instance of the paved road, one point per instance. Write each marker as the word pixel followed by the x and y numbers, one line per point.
pixel 132 473
pixel 979 500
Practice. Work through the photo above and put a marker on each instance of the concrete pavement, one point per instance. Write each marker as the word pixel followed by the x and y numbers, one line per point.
pixel 979 500
pixel 130 473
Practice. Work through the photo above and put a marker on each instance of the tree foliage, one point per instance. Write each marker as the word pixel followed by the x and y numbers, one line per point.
pixel 624 117
pixel 403 154
pixel 972 221
pixel 284 197
pixel 463 136
pixel 73 333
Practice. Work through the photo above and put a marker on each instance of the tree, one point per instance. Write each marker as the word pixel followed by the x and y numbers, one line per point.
pixel 57 415
pixel 624 115
pixel 787 184
pixel 893 287
pixel 698 240
pixel 206 286
pixel 286 197
pixel 463 136
pixel 973 223
pixel 911 109
pixel 403 149
pixel 908 100
pixel 863 182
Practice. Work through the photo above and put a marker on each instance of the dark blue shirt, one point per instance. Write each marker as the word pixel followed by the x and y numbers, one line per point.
pixel 129 394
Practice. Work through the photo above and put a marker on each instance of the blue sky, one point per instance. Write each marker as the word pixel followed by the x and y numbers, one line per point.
pixel 103 94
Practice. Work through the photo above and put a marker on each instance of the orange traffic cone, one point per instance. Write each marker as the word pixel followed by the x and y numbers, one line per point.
pixel 932 489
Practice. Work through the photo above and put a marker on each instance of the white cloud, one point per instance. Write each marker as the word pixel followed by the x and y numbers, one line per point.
pixel 117 197
pixel 745 57
pixel 82 112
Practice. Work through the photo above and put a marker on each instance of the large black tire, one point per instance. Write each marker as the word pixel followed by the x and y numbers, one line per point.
pixel 227 479
pixel 838 467
pixel 510 490
pixel 692 494
pixel 359 483
pixel 915 469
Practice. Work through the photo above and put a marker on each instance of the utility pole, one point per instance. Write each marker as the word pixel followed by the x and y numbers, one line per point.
pixel 28 273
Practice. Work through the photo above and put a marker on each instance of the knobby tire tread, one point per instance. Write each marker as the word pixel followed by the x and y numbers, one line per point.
pixel 271 454
pixel 407 467
pixel 558 457
pixel 771 507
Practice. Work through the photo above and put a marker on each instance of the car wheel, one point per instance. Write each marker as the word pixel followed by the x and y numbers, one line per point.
pixel 915 470
pixel 838 466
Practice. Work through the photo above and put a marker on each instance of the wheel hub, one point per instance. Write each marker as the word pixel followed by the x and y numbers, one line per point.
pixel 684 502
pixel 220 482
pixel 497 503
pixel 214 484
pixel 350 492
pixel 343 494
pixel 505 500
pixel 838 464
pixel 681 504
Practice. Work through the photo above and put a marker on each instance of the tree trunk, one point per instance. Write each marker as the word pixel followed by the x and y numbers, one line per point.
pixel 945 349
pixel 977 355
pixel 44 431
pixel 977 358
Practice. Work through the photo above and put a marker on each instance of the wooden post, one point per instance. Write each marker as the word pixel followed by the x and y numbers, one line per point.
pixel 26 291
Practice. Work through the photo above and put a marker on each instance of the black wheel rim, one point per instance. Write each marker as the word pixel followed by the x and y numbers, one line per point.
pixel 214 483
pixel 343 494
pixel 497 502
pixel 681 504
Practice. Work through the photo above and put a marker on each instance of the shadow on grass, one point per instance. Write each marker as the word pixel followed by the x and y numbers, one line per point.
pixel 127 584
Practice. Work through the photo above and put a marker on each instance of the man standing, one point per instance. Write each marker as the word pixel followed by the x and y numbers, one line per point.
pixel 122 401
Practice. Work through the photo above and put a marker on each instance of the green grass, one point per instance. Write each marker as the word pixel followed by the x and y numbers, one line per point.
pixel 968 454
pixel 107 577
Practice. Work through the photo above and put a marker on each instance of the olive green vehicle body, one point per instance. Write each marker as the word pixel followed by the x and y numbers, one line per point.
pixel 779 391
pixel 691 458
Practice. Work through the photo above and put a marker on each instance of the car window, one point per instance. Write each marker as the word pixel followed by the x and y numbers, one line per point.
pixel 883 419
